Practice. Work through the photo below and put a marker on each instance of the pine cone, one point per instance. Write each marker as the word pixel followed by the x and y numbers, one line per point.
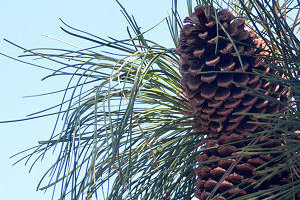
pixel 216 75
pixel 215 80
pixel 242 179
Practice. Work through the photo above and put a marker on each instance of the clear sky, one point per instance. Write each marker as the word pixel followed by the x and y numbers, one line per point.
pixel 24 23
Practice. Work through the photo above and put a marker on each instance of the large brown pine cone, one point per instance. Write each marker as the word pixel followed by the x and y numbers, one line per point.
pixel 213 76
pixel 216 75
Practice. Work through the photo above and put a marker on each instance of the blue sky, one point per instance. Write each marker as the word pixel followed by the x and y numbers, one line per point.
pixel 24 23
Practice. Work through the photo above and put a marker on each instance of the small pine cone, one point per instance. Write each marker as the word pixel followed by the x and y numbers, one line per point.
pixel 216 73
pixel 243 179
